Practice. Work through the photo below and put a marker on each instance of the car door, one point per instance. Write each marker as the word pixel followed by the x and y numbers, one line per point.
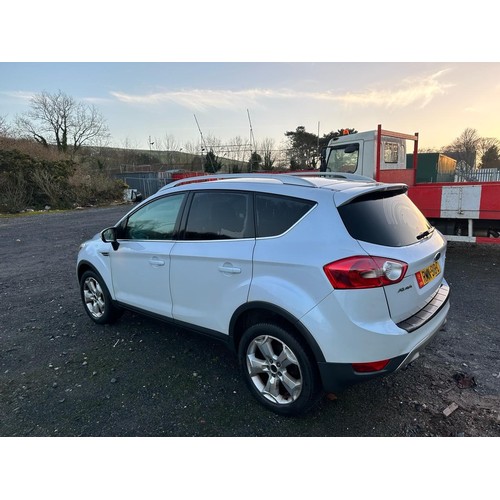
pixel 211 263
pixel 140 266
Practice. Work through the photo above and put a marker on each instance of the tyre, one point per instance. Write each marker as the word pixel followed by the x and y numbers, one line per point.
pixel 96 299
pixel 278 370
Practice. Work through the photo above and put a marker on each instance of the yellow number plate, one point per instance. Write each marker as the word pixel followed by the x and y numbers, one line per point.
pixel 428 274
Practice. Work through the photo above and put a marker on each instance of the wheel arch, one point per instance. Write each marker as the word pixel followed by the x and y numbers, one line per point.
pixel 252 313
pixel 84 265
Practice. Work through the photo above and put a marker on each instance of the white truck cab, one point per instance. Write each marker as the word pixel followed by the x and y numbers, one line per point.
pixel 372 154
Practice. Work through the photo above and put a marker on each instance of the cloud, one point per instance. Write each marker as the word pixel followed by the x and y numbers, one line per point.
pixel 199 99
pixel 473 109
pixel 420 91
pixel 19 94
pixel 27 96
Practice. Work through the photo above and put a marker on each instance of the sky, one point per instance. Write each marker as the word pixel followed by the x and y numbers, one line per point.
pixel 140 100
pixel 154 71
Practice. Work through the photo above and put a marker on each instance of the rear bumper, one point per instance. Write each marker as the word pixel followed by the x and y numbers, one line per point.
pixel 337 376
pixel 419 319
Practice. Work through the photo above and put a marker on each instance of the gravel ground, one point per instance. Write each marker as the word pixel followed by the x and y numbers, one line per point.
pixel 61 375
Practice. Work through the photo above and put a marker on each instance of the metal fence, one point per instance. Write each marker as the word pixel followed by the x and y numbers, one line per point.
pixel 145 183
pixel 478 175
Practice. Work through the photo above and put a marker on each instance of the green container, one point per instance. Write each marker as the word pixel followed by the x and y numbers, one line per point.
pixel 433 167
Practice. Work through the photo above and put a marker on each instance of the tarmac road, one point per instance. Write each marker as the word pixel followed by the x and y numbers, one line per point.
pixel 61 375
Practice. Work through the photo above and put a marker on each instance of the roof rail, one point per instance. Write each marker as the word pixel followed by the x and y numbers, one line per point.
pixel 283 178
pixel 292 178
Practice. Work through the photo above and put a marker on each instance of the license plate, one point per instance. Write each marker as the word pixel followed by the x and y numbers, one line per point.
pixel 428 274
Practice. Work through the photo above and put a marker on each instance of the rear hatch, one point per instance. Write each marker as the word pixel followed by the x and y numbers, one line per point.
pixel 387 224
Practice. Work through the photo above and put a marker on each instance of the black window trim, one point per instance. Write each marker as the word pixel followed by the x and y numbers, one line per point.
pixel 181 235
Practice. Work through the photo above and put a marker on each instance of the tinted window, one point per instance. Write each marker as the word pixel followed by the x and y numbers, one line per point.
pixel 277 214
pixel 219 216
pixel 384 219
pixel 154 221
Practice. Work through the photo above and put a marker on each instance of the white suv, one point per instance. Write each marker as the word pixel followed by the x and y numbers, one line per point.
pixel 316 282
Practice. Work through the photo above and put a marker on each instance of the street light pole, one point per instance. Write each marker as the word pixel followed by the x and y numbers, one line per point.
pixel 150 152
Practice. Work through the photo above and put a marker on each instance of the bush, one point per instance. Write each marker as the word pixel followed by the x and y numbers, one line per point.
pixel 36 177
pixel 15 193
pixel 93 188
pixel 42 181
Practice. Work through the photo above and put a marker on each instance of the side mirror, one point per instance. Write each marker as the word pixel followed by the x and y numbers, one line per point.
pixel 322 158
pixel 109 236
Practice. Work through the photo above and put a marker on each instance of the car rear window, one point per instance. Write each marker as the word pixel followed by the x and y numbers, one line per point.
pixel 276 214
pixel 384 218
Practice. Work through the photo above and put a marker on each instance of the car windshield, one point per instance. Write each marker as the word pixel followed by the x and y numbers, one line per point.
pixel 343 159
pixel 385 218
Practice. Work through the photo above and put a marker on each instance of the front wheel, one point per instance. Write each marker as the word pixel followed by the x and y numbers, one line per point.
pixel 278 370
pixel 96 299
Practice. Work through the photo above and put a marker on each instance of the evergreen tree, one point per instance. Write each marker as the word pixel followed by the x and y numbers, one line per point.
pixel 211 164
pixel 255 162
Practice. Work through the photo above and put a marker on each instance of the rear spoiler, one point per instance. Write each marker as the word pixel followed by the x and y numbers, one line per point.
pixel 348 195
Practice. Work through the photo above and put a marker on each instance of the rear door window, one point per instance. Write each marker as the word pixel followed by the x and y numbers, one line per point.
pixel 384 218
pixel 219 215
pixel 277 214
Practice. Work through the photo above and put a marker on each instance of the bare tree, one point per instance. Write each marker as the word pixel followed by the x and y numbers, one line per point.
pixel 191 148
pixel 127 143
pixel 58 119
pixel 4 128
pixel 169 146
pixel 238 149
pixel 169 143
pixel 464 149
pixel 212 142
pixel 268 152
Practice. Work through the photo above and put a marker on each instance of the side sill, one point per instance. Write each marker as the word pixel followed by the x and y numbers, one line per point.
pixel 214 334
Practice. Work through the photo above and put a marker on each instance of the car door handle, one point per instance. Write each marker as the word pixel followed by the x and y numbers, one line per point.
pixel 156 262
pixel 228 269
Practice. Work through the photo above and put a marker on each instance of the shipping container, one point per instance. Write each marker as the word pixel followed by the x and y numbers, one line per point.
pixel 433 167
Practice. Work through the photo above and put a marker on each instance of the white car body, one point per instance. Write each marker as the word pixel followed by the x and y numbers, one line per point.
pixel 224 286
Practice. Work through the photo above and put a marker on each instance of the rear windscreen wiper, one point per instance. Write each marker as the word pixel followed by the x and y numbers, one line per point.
pixel 425 233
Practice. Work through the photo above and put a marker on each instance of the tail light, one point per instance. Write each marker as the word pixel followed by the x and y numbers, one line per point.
pixel 365 272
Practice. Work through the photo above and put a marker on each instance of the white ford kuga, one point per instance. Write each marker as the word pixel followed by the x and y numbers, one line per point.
pixel 316 282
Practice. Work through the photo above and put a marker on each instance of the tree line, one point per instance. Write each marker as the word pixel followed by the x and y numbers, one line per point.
pixel 58 153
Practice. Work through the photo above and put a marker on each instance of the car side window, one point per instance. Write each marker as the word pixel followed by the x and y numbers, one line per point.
pixel 216 215
pixel 277 214
pixel 154 221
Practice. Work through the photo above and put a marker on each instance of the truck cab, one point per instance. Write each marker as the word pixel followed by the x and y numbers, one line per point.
pixel 463 211
pixel 378 154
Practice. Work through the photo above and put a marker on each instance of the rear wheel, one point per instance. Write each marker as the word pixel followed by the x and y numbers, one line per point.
pixel 96 299
pixel 278 369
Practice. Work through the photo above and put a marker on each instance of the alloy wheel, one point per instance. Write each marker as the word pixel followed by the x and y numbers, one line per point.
pixel 274 369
